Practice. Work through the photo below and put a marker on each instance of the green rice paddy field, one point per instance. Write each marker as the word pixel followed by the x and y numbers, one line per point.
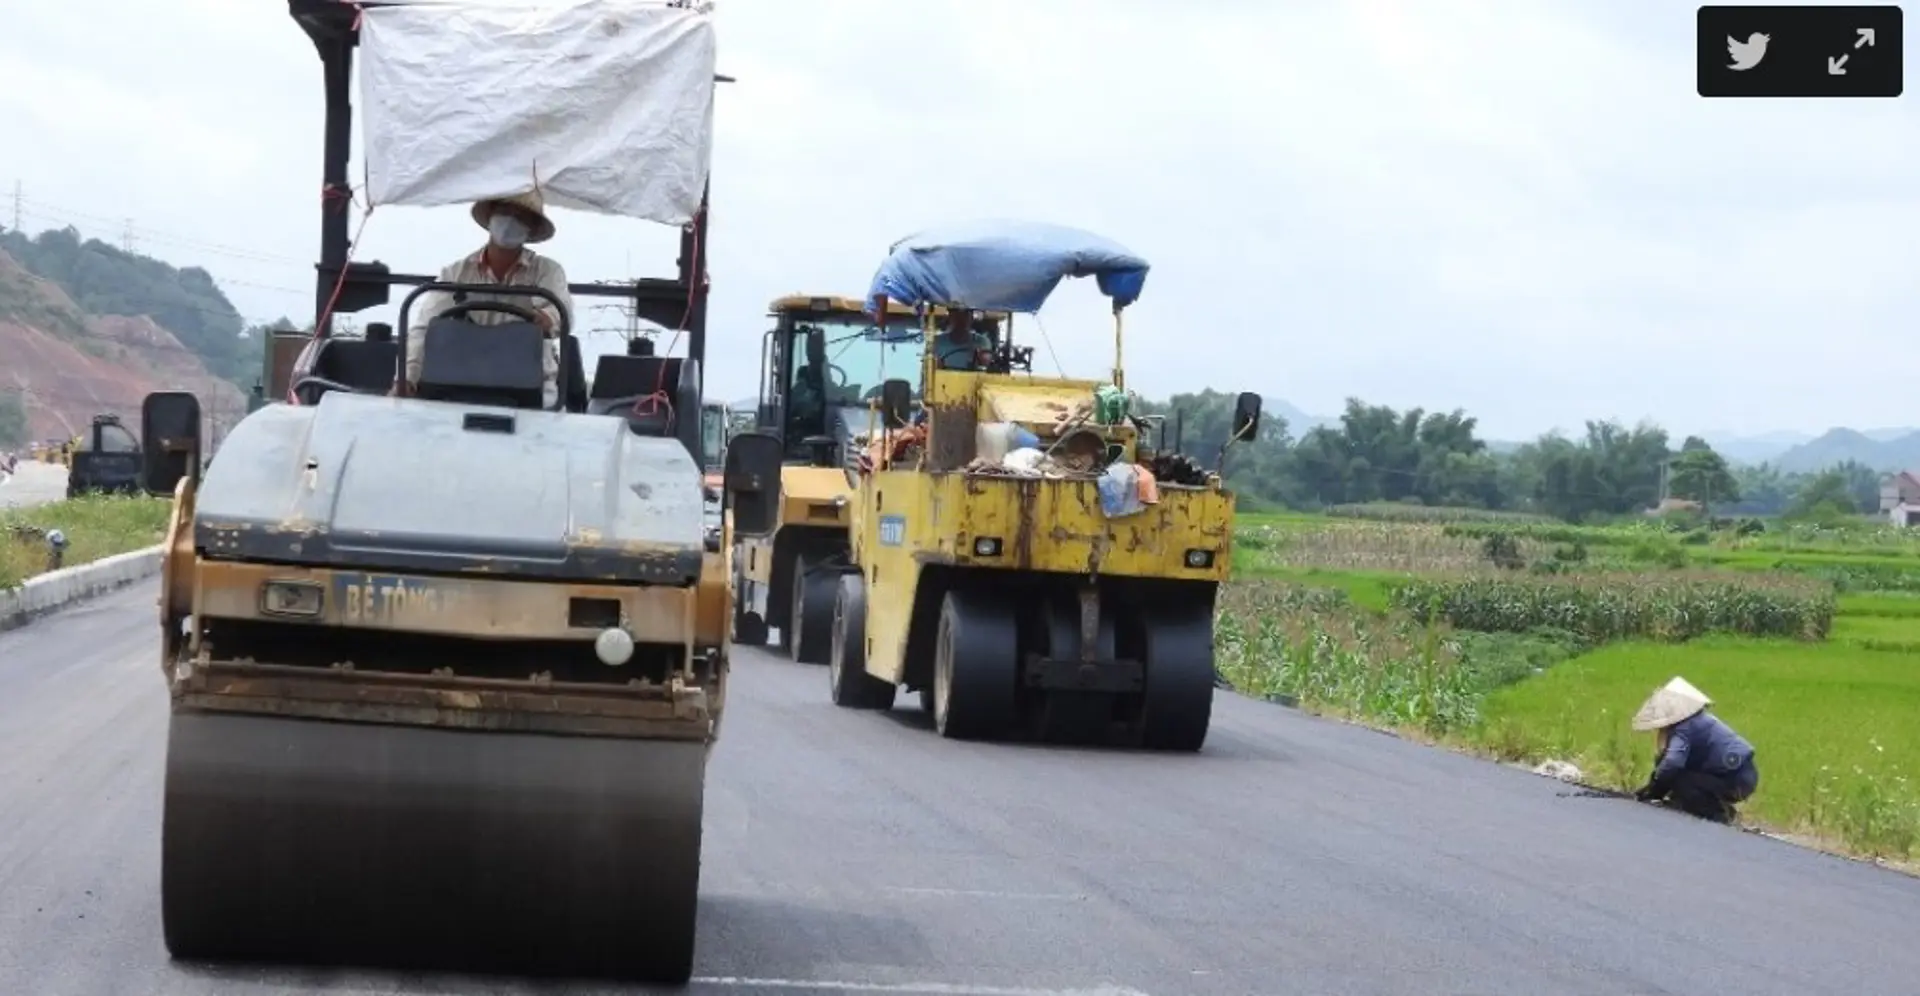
pixel 1527 641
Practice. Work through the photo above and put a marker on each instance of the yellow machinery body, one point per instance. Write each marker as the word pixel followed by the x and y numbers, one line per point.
pixel 1017 602
pixel 783 579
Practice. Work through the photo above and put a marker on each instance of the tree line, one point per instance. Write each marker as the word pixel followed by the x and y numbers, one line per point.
pixel 1377 454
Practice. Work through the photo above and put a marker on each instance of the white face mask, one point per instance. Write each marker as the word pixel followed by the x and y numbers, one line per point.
pixel 507 231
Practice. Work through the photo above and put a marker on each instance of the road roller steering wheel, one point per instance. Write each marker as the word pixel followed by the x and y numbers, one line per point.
pixel 520 311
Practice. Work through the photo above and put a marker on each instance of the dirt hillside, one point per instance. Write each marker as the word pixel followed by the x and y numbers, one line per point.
pixel 69 365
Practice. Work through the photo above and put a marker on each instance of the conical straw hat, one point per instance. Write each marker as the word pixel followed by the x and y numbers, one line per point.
pixel 1673 702
pixel 530 202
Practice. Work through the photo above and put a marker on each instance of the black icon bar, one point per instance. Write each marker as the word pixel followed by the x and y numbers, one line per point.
pixel 1800 51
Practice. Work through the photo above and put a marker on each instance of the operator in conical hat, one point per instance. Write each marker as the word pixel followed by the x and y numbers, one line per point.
pixel 1704 767
pixel 512 224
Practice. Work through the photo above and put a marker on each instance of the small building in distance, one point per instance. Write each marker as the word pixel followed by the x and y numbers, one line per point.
pixel 1669 506
pixel 1900 498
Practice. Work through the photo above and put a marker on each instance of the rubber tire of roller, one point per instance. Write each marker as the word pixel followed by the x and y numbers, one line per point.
pixel 1065 716
pixel 976 667
pixel 783 642
pixel 750 630
pixel 749 627
pixel 810 625
pixel 1176 646
pixel 847 678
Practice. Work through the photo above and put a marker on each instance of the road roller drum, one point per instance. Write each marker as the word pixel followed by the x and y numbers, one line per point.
pixel 315 841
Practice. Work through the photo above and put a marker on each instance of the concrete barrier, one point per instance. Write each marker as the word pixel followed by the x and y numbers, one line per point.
pixel 56 590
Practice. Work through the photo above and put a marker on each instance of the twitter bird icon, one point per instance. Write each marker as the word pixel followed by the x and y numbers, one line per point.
pixel 1747 54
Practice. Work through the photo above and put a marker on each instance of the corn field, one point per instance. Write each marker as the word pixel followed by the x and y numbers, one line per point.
pixel 1380 546
pixel 1396 512
pixel 1274 639
pixel 1666 606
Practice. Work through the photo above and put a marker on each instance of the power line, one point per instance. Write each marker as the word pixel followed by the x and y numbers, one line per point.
pixel 47 209
pixel 130 233
pixel 234 313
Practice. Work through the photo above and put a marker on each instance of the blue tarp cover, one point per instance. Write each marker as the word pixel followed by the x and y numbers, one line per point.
pixel 1003 266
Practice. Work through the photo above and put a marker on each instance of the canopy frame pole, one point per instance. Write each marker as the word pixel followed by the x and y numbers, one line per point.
pixel 928 365
pixel 1119 368
pixel 876 419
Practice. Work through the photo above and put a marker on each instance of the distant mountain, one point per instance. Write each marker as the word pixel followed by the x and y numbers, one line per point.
pixel 1883 449
pixel 1892 452
pixel 1888 435
pixel 1757 447
pixel 1299 423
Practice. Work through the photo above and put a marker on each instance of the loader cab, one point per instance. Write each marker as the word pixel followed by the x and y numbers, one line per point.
pixel 826 360
pixel 822 363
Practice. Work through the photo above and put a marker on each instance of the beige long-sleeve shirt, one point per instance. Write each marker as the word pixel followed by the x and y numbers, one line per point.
pixel 532 268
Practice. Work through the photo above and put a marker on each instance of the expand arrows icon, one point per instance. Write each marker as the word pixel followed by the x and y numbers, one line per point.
pixel 1837 65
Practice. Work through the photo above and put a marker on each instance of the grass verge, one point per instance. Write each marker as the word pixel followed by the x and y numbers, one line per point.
pixel 95 526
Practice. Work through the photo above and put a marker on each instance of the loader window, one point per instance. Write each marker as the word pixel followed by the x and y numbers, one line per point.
pixel 861 360
pixel 713 433
pixel 857 361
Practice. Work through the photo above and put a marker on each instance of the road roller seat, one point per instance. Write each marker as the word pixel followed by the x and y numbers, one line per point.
pixel 479 364
pixel 368 365
pixel 651 393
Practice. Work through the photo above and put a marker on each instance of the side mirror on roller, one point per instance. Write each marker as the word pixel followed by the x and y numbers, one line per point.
pixel 751 480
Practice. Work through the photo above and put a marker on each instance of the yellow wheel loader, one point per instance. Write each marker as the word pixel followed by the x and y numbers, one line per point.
pixel 1016 561
pixel 447 654
pixel 820 370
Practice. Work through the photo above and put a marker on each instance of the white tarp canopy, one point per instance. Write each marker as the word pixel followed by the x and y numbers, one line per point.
pixel 604 105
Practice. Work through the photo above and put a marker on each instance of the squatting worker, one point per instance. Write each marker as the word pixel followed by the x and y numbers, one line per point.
pixel 512 223
pixel 961 348
pixel 1703 767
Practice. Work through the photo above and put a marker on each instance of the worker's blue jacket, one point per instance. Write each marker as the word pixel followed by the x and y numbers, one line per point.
pixel 1701 742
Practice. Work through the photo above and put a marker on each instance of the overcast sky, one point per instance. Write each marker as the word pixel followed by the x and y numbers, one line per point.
pixel 1519 208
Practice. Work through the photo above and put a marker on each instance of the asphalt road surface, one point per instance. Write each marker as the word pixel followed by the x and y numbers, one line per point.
pixel 857 853
pixel 32 484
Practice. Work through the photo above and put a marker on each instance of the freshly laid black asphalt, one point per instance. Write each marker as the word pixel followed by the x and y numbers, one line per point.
pixel 852 852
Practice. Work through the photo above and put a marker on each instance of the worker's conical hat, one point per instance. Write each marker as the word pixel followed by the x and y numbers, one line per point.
pixel 1673 702
pixel 531 202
